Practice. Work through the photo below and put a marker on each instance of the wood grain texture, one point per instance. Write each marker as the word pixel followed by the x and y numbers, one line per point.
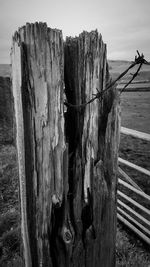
pixel 40 85
pixel 70 158
pixel 93 136
pixel 16 84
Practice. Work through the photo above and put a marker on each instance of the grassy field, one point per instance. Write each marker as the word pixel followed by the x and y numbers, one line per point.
pixel 117 67
pixel 135 110
pixel 5 70
pixel 10 235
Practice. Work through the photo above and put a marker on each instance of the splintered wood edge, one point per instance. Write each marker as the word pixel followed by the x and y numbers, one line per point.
pixel 16 84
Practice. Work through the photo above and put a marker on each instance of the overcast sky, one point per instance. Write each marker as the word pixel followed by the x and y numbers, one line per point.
pixel 124 24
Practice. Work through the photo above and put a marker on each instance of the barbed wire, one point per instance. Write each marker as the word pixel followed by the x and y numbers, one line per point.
pixel 139 60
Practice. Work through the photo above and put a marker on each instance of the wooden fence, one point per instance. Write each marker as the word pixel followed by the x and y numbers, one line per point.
pixel 138 223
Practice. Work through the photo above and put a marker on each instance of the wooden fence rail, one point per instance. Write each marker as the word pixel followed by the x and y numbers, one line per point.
pixel 134 221
pixel 135 214
pixel 147 197
pixel 134 166
pixel 138 223
pixel 133 202
pixel 128 178
pixel 134 133
pixel 134 229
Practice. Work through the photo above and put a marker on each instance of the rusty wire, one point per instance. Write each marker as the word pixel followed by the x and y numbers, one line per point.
pixel 139 60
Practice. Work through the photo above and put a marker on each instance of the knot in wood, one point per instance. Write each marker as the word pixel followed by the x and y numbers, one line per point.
pixel 67 236
pixel 56 201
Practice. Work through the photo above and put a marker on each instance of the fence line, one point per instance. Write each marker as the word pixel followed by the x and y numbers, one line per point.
pixel 134 221
pixel 135 203
pixel 134 229
pixel 135 88
pixel 134 189
pixel 140 217
pixel 134 166
pixel 127 215
pixel 128 178
pixel 134 133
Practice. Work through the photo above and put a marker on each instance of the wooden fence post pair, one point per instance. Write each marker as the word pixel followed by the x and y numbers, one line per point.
pixel 67 156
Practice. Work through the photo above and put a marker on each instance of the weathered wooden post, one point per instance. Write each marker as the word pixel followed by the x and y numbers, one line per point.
pixel 67 163
pixel 92 132
pixel 37 76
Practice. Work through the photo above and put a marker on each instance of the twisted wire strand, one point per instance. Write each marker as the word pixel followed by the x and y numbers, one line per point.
pixel 139 60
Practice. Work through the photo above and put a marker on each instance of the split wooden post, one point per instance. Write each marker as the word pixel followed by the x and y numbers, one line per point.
pixel 67 161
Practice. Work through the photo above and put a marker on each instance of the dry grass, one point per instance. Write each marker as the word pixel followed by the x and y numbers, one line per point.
pixel 10 236
pixel 130 251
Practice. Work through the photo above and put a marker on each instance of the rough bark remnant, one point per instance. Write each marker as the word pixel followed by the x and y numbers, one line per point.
pixel 67 170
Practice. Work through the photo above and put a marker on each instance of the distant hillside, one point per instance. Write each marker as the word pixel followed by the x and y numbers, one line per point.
pixel 118 66
pixel 115 67
pixel 5 70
